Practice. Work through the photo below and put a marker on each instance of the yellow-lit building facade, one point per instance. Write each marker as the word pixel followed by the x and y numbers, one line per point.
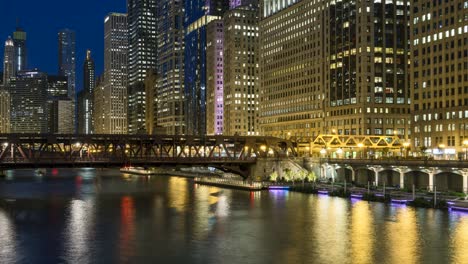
pixel 336 68
pixel 439 77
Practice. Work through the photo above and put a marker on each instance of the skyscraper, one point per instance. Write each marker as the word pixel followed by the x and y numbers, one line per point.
pixel 4 110
pixel 439 78
pixel 9 70
pixel 214 83
pixel 89 78
pixel 85 98
pixel 141 38
pixel 342 69
pixel 29 103
pixel 198 14
pixel 141 58
pixel 169 88
pixel 19 40
pixel 241 71
pixel 67 59
pixel 59 106
pixel 110 96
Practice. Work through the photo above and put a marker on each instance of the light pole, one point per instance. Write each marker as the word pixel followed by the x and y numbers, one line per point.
pixel 360 145
pixel 406 146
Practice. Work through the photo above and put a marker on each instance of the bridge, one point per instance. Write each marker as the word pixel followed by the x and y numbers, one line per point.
pixel 230 153
pixel 420 172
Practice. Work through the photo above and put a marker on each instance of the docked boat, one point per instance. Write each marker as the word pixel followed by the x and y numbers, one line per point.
pixel 137 171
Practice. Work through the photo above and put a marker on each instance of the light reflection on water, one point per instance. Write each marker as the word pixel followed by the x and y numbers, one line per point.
pixel 8 249
pixel 94 216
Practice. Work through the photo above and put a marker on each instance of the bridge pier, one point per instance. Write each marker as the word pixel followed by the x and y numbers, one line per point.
pixel 376 171
pixel 431 180
pixel 465 181
pixel 402 179
pixel 2 173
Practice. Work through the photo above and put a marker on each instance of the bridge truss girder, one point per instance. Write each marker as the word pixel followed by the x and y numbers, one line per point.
pixel 70 149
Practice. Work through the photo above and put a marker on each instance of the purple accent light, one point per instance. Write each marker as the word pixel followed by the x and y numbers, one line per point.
pixel 276 187
pixel 399 201
pixel 322 192
pixel 458 208
pixel 357 195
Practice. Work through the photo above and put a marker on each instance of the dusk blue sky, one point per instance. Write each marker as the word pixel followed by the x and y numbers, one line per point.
pixel 43 19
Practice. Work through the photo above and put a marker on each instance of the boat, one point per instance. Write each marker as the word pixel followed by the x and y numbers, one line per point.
pixel 137 171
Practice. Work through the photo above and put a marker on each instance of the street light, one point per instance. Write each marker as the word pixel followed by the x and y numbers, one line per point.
pixel 360 146
pixel 323 152
pixel 406 145
pixel 339 152
pixel 442 147
pixel 465 144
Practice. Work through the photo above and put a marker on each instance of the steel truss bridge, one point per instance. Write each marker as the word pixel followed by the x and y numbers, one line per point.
pixel 234 153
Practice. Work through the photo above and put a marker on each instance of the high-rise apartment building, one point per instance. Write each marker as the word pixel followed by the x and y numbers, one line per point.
pixel 67 59
pixel 439 77
pixel 9 70
pixel 151 102
pixel 29 102
pixel 169 88
pixel 19 40
pixel 85 98
pixel 141 57
pixel 4 110
pixel 110 96
pixel 342 69
pixel 59 106
pixel 141 38
pixel 241 74
pixel 214 77
pixel 198 14
pixel 57 86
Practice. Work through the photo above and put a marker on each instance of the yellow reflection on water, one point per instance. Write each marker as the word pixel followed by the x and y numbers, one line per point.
pixel 402 233
pixel 459 241
pixel 205 197
pixel 362 233
pixel 331 229
pixel 178 193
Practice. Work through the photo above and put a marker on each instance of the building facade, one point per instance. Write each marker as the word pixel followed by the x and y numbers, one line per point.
pixel 85 98
pixel 439 78
pixel 242 71
pixel 169 88
pixel 29 103
pixel 67 59
pixel 9 70
pixel 21 52
pixel 342 69
pixel 141 57
pixel 214 78
pixel 59 106
pixel 4 110
pixel 110 95
pixel 198 14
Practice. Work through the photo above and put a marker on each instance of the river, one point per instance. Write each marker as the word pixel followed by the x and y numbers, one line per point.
pixel 102 216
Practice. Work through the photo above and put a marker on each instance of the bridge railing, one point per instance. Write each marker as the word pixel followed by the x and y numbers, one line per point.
pixel 400 161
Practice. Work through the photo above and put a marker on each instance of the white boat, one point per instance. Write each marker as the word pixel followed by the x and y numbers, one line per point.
pixel 137 171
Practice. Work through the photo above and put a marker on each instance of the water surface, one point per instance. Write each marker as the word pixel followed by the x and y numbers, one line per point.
pixel 102 216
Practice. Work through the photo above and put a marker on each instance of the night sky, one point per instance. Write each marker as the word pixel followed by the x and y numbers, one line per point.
pixel 43 19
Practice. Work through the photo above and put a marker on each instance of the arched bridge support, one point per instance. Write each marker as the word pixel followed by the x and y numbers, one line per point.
pixel 376 169
pixel 402 170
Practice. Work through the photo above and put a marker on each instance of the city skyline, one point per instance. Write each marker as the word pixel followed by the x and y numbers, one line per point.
pixel 43 20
